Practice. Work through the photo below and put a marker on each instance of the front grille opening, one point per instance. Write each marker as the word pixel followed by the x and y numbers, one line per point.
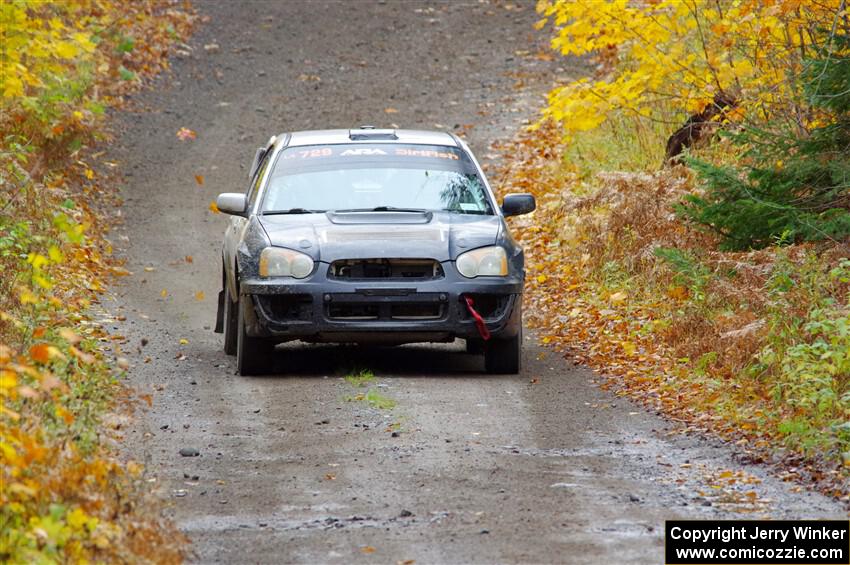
pixel 416 311
pixel 387 269
pixel 288 307
pixel 490 306
pixel 353 311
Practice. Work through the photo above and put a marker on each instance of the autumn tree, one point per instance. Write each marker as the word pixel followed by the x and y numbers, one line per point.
pixel 773 70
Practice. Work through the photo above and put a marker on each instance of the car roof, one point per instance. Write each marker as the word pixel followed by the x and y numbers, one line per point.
pixel 369 135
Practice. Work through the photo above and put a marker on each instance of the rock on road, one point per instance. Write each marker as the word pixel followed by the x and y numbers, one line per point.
pixel 296 467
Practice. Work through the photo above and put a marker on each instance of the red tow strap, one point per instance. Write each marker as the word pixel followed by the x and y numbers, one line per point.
pixel 479 321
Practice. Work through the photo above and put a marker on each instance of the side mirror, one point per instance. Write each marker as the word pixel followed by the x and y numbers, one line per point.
pixel 517 204
pixel 232 203
pixel 255 164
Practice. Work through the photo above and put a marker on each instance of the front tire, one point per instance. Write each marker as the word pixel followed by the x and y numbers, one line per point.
pixel 254 356
pixel 503 356
pixel 474 346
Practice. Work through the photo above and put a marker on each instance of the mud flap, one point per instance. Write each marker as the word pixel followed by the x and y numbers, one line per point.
pixel 219 315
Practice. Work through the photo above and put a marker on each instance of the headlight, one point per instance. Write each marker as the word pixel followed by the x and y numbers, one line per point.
pixel 281 262
pixel 484 262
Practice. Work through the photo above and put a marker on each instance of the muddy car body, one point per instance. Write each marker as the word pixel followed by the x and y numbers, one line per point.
pixel 370 236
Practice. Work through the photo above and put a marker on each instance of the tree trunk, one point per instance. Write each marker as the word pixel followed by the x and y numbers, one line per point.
pixel 697 126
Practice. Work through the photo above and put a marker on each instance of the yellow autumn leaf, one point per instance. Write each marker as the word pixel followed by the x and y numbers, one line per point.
pixel 37 260
pixel 9 454
pixel 13 87
pixel 199 296
pixel 214 208
pixel 66 415
pixel 76 519
pixel 55 254
pixel 84 42
pixel 66 50
pixel 135 469
pixel 27 297
pixel 8 379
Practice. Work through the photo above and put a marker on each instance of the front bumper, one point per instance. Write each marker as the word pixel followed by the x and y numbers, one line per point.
pixel 381 311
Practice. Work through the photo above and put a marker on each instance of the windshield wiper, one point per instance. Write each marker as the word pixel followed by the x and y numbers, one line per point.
pixel 382 209
pixel 291 211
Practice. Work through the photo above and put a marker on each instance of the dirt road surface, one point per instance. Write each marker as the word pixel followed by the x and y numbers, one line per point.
pixel 296 467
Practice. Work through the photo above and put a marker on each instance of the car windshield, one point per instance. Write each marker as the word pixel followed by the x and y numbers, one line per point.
pixel 381 177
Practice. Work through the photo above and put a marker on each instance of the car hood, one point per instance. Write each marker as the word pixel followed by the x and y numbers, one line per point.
pixel 364 235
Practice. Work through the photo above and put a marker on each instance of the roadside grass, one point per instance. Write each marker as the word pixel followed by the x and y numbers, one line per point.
pixel 362 378
pixel 616 145
pixel 374 399
pixel 66 497
pixel 378 401
pixel 752 346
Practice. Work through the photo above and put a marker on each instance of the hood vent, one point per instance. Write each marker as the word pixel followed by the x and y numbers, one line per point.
pixel 354 218
pixel 347 236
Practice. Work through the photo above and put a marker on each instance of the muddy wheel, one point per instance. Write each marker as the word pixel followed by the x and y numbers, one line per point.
pixel 503 356
pixel 254 356
pixel 474 346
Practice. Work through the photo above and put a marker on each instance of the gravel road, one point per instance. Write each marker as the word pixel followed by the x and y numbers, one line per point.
pixel 544 467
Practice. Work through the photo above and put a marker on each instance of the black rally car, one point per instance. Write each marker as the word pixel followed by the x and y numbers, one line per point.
pixel 370 236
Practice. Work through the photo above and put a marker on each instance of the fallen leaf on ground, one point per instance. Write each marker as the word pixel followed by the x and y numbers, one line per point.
pixel 185 133
pixel 40 353
pixel 68 335
pixel 618 297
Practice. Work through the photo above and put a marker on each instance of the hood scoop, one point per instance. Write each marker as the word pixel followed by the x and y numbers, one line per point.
pixel 354 218
pixel 373 234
